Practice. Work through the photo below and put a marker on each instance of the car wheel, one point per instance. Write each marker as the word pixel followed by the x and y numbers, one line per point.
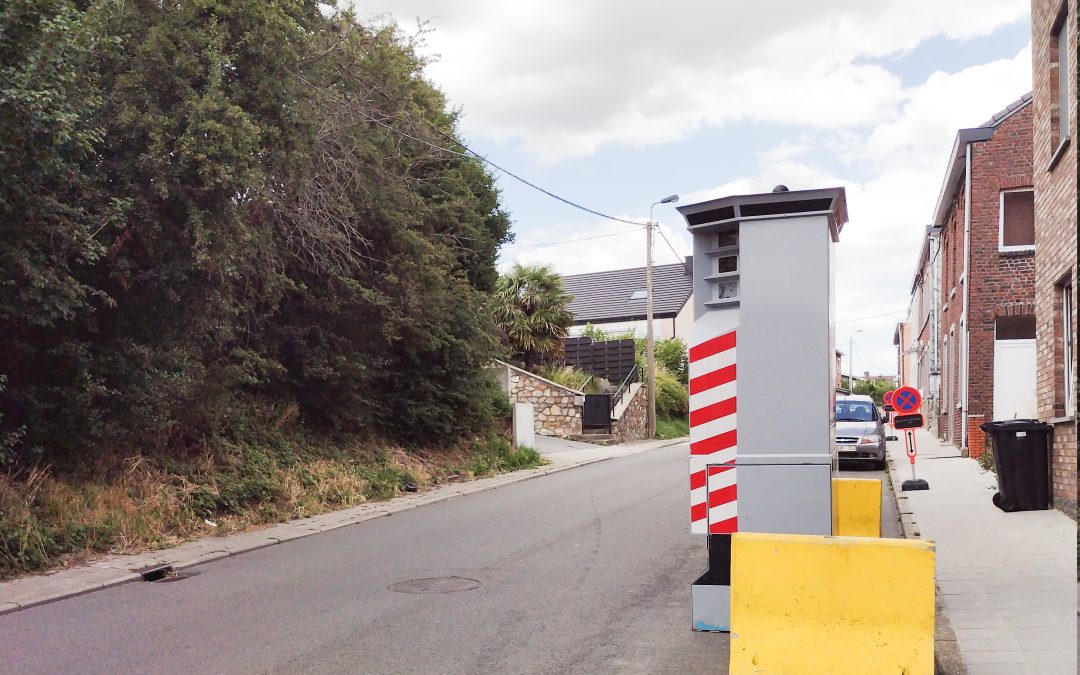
pixel 880 464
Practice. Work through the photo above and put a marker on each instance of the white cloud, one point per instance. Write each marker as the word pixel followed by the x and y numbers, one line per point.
pixel 565 78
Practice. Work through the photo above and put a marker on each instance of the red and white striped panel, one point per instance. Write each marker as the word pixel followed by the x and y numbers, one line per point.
pixel 713 435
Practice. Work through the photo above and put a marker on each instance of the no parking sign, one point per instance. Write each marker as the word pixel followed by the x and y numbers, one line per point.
pixel 906 400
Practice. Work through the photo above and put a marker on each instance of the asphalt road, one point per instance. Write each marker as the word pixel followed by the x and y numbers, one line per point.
pixel 582 571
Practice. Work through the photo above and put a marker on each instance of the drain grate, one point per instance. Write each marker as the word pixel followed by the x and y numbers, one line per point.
pixel 159 573
pixel 436 585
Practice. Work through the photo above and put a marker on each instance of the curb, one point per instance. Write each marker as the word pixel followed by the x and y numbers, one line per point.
pixel 118 570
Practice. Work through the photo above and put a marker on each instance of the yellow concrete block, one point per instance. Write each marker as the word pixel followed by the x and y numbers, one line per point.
pixel 811 605
pixel 856 504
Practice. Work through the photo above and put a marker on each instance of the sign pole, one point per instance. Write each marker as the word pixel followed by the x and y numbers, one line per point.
pixel 914 483
pixel 911 451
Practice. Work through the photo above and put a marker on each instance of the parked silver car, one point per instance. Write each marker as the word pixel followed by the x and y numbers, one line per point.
pixel 860 431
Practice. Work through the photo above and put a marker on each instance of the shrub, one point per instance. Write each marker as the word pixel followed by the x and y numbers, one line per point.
pixel 672 427
pixel 571 377
pixel 672 396
pixel 497 454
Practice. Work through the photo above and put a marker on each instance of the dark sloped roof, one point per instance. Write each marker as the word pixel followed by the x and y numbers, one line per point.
pixel 605 296
pixel 1007 111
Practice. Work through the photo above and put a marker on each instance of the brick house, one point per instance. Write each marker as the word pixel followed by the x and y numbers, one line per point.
pixel 983 232
pixel 1054 79
pixel 917 346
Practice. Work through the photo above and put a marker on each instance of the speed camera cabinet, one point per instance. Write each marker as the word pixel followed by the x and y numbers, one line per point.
pixel 762 380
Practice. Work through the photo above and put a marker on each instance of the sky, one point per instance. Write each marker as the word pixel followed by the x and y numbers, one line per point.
pixel 615 105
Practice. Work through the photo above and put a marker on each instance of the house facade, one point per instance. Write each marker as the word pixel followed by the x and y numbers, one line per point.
pixel 1054 80
pixel 982 240
pixel 918 358
pixel 614 301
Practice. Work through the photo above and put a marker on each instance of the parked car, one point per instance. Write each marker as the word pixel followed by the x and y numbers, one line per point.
pixel 860 430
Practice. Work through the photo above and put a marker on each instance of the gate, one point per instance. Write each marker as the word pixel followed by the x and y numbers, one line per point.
pixel 596 413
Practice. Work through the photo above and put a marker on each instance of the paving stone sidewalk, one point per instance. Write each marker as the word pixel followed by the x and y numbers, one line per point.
pixel 1005 579
pixel 120 569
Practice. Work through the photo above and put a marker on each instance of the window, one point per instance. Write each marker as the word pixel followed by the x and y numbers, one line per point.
pixel 1063 80
pixel 1016 227
pixel 1059 62
pixel 638 294
pixel 1067 351
pixel 855 411
pixel 724 277
pixel 1014 328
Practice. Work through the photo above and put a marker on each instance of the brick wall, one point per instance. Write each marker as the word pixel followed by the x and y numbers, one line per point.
pixel 1055 239
pixel 998 283
pixel 976 436
pixel 951 302
pixel 1002 283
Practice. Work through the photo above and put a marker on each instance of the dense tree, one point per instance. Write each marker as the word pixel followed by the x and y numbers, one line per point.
pixel 217 208
pixel 531 307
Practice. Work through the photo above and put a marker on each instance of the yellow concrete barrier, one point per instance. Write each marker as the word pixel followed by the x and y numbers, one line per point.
pixel 811 605
pixel 856 504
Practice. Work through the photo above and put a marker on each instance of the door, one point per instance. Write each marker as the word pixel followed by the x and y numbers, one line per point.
pixel 1014 379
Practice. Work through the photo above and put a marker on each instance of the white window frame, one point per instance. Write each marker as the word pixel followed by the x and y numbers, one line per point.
pixel 1067 349
pixel 1064 93
pixel 1001 222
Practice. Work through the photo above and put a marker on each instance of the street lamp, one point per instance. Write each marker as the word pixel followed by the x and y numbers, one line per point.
pixel 851 361
pixel 650 355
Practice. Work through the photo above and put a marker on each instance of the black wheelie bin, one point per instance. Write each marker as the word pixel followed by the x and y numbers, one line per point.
pixel 1022 456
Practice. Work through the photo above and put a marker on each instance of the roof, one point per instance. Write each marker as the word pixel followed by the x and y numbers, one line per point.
pixel 956 157
pixel 781 203
pixel 605 296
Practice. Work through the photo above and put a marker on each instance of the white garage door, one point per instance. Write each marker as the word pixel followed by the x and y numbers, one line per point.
pixel 1014 379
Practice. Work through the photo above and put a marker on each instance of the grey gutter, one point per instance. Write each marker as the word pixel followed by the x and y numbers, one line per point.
pixel 956 168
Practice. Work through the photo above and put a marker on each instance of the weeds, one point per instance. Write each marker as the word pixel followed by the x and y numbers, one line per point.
pixel 672 427
pixel 497 455
pixel 50 520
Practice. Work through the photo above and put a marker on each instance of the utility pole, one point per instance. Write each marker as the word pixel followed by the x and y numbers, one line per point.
pixel 851 362
pixel 650 351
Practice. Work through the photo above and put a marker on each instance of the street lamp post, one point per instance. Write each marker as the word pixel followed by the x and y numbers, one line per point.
pixel 851 361
pixel 650 354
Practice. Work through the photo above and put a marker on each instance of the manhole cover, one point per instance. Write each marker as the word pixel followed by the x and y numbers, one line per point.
pixel 436 585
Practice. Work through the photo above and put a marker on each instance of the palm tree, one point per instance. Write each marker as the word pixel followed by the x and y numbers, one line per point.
pixel 531 309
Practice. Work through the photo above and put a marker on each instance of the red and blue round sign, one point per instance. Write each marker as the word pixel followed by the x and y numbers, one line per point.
pixel 887 398
pixel 906 400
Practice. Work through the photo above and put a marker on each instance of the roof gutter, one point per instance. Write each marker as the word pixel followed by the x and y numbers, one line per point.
pixel 956 168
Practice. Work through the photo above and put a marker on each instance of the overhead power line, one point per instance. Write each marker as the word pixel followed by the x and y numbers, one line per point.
pixel 469 152
pixel 678 256
pixel 571 241
pixel 875 316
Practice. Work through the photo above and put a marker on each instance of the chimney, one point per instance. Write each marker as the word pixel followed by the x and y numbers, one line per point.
pixel 688 265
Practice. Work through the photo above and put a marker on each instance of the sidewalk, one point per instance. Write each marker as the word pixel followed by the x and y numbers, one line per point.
pixel 120 569
pixel 1006 580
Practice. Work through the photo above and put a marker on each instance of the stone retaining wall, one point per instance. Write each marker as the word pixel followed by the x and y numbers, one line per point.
pixel 558 408
pixel 633 424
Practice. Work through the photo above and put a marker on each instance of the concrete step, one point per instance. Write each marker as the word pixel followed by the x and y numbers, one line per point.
pixel 594 438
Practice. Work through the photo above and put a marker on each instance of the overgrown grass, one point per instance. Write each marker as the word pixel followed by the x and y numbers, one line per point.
pixel 498 455
pixel 672 427
pixel 986 459
pixel 136 504
pixel 571 377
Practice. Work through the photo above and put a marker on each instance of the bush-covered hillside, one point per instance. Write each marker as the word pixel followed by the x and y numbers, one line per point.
pixel 205 213
pixel 237 273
